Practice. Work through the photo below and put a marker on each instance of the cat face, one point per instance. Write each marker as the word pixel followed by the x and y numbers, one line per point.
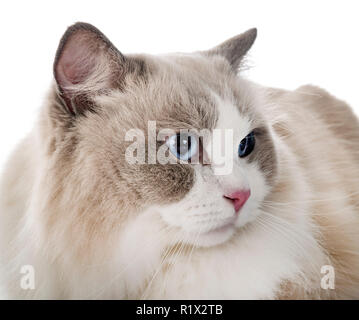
pixel 103 95
pixel 218 204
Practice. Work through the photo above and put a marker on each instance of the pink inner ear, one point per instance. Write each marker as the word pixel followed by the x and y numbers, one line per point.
pixel 76 61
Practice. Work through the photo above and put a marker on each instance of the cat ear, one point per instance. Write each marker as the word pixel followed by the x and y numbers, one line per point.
pixel 235 49
pixel 86 63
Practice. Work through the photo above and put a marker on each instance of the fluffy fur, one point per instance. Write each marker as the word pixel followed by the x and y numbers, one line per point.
pixel 95 226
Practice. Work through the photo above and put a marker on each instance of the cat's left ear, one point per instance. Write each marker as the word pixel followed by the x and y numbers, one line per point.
pixel 235 49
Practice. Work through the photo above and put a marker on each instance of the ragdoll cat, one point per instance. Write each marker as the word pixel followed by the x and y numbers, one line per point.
pixel 282 223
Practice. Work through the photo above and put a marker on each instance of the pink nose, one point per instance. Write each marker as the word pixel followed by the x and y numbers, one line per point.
pixel 238 198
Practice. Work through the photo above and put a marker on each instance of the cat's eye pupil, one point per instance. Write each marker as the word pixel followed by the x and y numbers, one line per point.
pixel 183 144
pixel 246 146
pixel 243 145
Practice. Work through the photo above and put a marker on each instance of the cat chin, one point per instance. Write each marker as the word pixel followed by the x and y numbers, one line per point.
pixel 211 238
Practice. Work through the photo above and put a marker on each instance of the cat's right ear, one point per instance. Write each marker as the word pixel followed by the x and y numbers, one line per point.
pixel 86 64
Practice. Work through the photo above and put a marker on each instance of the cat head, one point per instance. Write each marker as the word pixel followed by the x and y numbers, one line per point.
pixel 127 128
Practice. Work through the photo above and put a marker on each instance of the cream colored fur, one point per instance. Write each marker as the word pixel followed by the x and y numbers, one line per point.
pixel 92 225
pixel 310 219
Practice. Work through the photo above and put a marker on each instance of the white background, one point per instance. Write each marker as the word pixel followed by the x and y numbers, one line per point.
pixel 298 42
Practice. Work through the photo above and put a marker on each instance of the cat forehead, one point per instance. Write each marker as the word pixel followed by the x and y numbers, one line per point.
pixel 230 117
pixel 180 91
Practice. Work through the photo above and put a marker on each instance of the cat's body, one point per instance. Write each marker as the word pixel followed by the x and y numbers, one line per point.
pixel 59 212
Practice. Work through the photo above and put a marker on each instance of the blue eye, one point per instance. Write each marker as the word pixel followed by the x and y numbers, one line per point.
pixel 183 146
pixel 246 146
